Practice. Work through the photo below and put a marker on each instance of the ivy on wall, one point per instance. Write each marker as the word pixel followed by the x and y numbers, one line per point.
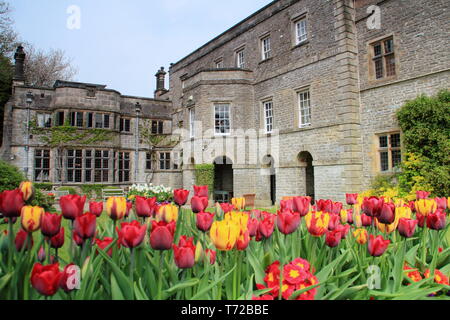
pixel 204 176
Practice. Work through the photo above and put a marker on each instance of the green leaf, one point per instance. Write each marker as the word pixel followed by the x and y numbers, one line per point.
pixel 299 292
pixel 206 289
pixel 115 289
pixel 5 279
pixel 183 285
pixel 257 267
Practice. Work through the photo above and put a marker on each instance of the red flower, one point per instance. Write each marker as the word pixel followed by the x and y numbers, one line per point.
pixel 439 277
pixel 287 204
pixel 377 246
pixel 128 209
pixel 414 274
pixel 50 224
pixel 184 253
pixel 301 205
pixel 227 207
pixel 204 221
pixel 72 206
pixel 302 263
pixel 263 298
pixel 441 203
pixel 180 196
pixel 335 220
pixel 78 240
pixel 372 206
pixel 366 220
pixel 103 244
pixel 199 204
pixel 437 220
pixel 272 278
pixel 324 205
pixel 288 221
pixel 387 213
pixel 68 281
pixel 351 198
pixel 131 234
pixel 46 279
pixel 336 207
pixel 294 274
pixel 85 225
pixel 201 191
pixel 212 255
pixel 57 241
pixel 145 207
pixel 252 226
pixel 266 226
pixel 96 208
pixel 343 229
pixel 243 241
pixel 407 227
pixel 333 238
pixel 420 219
pixel 41 254
pixel 422 195
pixel 161 236
pixel 11 203
pixel 21 240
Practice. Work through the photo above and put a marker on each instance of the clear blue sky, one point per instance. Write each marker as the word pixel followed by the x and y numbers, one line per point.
pixel 123 43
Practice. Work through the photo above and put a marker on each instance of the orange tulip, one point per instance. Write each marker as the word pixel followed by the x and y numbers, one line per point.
pixel 361 236
pixel 238 203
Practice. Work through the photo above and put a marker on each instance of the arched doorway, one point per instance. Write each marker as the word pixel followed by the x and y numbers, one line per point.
pixel 306 161
pixel 223 179
pixel 268 163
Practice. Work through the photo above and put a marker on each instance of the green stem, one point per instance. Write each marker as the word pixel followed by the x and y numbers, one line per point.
pixel 132 265
pixel 424 242
pixel 161 253
pixel 11 243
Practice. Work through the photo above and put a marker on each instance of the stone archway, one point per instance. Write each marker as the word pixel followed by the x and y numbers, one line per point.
pixel 306 161
pixel 223 179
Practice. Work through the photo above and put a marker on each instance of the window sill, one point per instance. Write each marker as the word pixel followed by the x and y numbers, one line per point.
pixel 301 44
pixel 265 60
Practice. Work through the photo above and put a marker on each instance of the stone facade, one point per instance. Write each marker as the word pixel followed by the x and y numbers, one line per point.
pixel 331 98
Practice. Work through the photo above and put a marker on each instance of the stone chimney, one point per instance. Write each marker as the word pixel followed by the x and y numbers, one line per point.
pixel 160 82
pixel 19 73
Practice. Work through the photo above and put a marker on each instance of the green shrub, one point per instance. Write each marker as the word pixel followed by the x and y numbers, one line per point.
pixel 44 186
pixel 43 200
pixel 92 190
pixel 70 189
pixel 204 176
pixel 10 176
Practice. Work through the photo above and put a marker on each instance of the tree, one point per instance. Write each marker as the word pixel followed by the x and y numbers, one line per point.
pixel 8 37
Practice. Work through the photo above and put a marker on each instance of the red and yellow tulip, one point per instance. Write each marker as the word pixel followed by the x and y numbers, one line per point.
pixel 31 218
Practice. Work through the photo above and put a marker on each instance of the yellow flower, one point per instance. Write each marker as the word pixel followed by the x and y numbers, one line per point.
pixel 224 234
pixel 131 198
pixel 387 228
pixel 241 218
pixel 426 206
pixel 317 223
pixel 31 218
pixel 361 236
pixel 116 207
pixel 199 254
pixel 344 216
pixel 239 203
pixel 168 213
pixel 402 212
pixel 27 189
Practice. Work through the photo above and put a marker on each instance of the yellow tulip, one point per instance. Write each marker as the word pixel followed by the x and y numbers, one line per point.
pixel 344 216
pixel 168 213
pixel 27 189
pixel 241 218
pixel 403 212
pixel 426 206
pixel 361 235
pixel 317 223
pixel 387 228
pixel 199 254
pixel 116 207
pixel 224 234
pixel 239 203
pixel 31 218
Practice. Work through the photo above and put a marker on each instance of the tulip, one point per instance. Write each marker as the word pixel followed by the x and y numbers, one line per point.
pixel 441 203
pixel 212 255
pixel 301 205
pixel 131 234
pixel 407 227
pixel 27 190
pixel 422 195
pixel 386 228
pixel 421 220
pixel 46 279
pixel 68 281
pixel 180 196
pixel 116 208
pixel 41 254
pixel 437 220
pixel 243 241
pixel 199 204
pixel 23 237
pixel 425 206
pixel 351 198
pixel 224 234
pixel 387 214
pixel 336 208
pixel 227 207
pixel 333 238
pixel 324 205
pixel 238 203
pixel 267 225
pixel 345 216
pixel 103 244
pixel 72 206
pixel 184 253
pixel 288 221
pixel 85 225
pixel 241 218
pixel 145 207
pixel 204 221
pixel 377 246
pixel 77 239
pixel 168 212
pixel 252 226
pixel 361 236
pixel 366 220
pixel 372 206
pixel 31 218
pixel 317 223
pixel 11 203
pixel 50 224
pixel 96 208
pixel 343 230
pixel 201 191
pixel 287 204
pixel 57 241
pixel 161 236
pixel 334 221
pixel 129 207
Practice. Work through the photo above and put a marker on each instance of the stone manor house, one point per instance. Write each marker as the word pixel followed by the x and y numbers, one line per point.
pixel 297 99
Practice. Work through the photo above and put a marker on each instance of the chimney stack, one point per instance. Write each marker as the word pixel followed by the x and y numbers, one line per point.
pixel 19 74
pixel 160 82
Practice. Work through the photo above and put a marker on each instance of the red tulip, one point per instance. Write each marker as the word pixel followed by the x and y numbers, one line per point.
pixel 161 236
pixel 72 206
pixel 145 207
pixel 252 226
pixel 57 241
pixel 96 208
pixel 129 206
pixel 212 255
pixel 287 204
pixel 243 241
pixel 103 244
pixel 180 196
pixel 266 226
pixel 421 219
pixel 372 206
pixel 46 279
pixel 377 246
pixel 85 225
pixel 324 205
pixel 407 227
pixel 343 229
pixel 351 198
pixel 334 221
pixel 199 204
pixel 336 207
pixel 366 220
pixel 184 253
pixel 227 207
pixel 131 234
pixel 301 205
pixel 50 224
pixel 422 195
pixel 201 191
pixel 68 281
pixel 288 221
pixel 437 220
pixel 77 239
pixel 22 239
pixel 41 254
pixel 350 216
pixel 205 221
pixel 333 238
pixel 441 203
pixel 387 213
pixel 11 203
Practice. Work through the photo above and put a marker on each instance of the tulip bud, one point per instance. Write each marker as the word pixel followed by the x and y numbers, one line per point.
pixel 199 254
pixel 46 279
pixel 11 203
pixel 333 238
pixel 72 206
pixel 41 254
pixel 180 196
pixel 361 236
pixel 407 227
pixel 57 241
pixel 96 208
pixel 184 253
pixel 27 190
pixel 201 191
pixel 116 208
pixel 31 218
pixel 377 246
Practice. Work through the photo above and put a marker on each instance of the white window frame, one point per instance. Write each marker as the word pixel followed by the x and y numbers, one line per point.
pixel 268 116
pixel 222 105
pixel 191 123
pixel 302 99
pixel 240 59
pixel 266 48
pixel 43 119
pixel 301 31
